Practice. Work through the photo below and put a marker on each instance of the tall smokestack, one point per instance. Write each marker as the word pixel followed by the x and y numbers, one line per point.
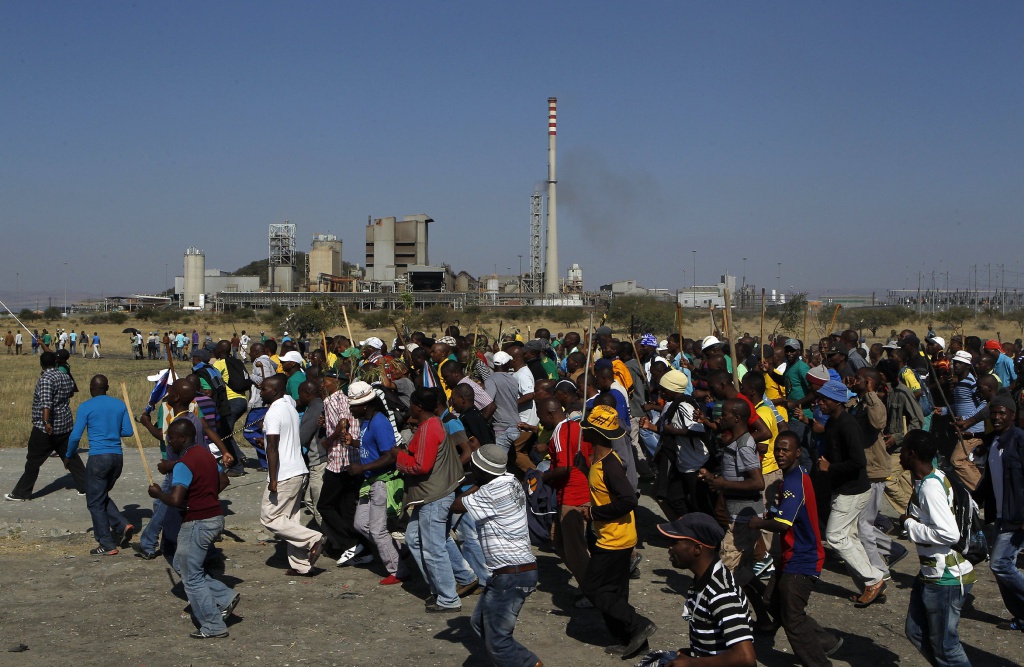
pixel 551 258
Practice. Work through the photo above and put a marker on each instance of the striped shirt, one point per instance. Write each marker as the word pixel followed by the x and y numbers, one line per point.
pixel 336 409
pixel 933 529
pixel 966 403
pixel 718 613
pixel 499 510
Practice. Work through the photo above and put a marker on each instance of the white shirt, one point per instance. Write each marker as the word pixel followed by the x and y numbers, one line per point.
pixel 17 339
pixel 995 469
pixel 244 340
pixel 283 419
pixel 527 411
pixel 499 510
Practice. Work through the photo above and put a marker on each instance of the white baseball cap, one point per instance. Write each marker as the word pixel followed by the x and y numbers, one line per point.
pixel 501 358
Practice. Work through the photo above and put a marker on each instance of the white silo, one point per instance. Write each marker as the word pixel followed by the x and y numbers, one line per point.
pixel 194 292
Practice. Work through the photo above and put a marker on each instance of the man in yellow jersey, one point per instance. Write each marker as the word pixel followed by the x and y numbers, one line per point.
pixel 612 500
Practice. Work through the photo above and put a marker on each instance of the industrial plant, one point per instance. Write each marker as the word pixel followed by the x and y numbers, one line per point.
pixel 396 262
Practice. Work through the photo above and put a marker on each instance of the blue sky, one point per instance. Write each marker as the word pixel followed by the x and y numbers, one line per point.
pixel 857 143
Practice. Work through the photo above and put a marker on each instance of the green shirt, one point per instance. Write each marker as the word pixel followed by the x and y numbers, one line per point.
pixel 297 378
pixel 796 383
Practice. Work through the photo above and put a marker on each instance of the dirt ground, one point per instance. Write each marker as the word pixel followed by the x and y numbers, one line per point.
pixel 69 607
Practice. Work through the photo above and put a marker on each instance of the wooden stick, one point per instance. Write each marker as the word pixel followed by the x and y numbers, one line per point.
pixel 714 322
pixel 476 332
pixel 732 348
pixel 135 430
pixel 344 312
pixel 833 322
pixel 761 339
pixel 803 342
pixel 679 313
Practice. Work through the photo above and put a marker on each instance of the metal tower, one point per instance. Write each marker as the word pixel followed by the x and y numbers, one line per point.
pixel 282 256
pixel 535 283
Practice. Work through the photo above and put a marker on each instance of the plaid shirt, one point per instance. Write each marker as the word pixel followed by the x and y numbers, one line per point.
pixel 335 409
pixel 53 390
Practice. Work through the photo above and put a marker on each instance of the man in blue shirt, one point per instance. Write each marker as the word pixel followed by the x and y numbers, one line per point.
pixel 107 421
pixel 1002 365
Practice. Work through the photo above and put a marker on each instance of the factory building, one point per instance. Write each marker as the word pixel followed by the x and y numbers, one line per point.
pixel 703 296
pixel 193 283
pixel 324 259
pixel 393 245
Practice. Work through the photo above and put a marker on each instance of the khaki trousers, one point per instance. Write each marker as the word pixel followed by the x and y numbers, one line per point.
pixel 279 513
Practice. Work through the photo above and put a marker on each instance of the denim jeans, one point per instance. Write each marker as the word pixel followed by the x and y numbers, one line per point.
pixel 101 471
pixel 465 528
pixel 494 618
pixel 151 533
pixel 206 594
pixel 1003 563
pixel 505 439
pixel 426 536
pixel 932 621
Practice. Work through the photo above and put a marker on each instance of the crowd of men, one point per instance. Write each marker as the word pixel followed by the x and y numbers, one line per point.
pixel 455 458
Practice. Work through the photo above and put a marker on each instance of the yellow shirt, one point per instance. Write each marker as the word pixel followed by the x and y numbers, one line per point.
pixel 277 363
pixel 772 389
pixel 619 533
pixel 222 366
pixel 768 463
pixel 910 379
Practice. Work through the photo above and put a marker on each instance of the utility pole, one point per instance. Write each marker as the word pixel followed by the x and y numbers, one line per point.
pixel 695 278
pixel 1002 293
pixel 989 295
pixel 778 281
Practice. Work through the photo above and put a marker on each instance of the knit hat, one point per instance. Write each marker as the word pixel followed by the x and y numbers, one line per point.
pixel 649 340
pixel 448 340
pixel 818 375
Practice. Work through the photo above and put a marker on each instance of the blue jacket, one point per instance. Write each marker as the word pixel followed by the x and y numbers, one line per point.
pixel 1012 444
pixel 107 421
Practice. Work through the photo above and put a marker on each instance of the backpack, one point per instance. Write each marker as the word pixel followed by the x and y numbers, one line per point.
pixel 541 507
pixel 219 389
pixel 238 378
pixel 972 544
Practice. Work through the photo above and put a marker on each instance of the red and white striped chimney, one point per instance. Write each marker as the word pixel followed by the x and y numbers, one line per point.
pixel 551 274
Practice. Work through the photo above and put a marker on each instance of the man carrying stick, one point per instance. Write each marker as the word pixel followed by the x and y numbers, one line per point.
pixel 196 482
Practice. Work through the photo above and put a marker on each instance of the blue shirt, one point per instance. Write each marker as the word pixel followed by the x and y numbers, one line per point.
pixel 95 340
pixel 107 421
pixel 1004 369
pixel 375 438
pixel 621 406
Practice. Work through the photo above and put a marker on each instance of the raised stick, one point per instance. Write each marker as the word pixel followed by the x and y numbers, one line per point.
pixel 732 347
pixel 761 339
pixel 135 430
pixel 833 322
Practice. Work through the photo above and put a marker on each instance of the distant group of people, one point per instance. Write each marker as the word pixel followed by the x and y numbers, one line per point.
pixel 479 452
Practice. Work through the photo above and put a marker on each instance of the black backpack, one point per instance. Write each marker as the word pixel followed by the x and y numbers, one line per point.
pixel 238 378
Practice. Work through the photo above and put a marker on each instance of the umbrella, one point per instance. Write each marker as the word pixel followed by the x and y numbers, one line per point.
pixel 131 330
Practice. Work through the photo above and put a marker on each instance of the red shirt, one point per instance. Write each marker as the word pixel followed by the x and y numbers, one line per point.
pixel 753 410
pixel 573 490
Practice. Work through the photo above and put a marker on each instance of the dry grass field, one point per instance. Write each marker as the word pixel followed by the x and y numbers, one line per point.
pixel 18 374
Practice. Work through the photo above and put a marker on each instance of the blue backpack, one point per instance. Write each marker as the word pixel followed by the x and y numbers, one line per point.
pixel 541 508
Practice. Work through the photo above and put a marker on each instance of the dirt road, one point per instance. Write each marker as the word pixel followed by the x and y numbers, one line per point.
pixel 71 608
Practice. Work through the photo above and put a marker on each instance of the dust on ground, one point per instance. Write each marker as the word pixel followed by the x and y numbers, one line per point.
pixel 72 608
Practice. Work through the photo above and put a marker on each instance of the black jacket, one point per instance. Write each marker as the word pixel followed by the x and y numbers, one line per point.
pixel 847 463
pixel 1012 445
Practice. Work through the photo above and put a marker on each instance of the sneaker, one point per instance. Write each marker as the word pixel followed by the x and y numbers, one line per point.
pixel 362 560
pixel 898 553
pixel 764 567
pixel 462 590
pixel 199 634
pixel 1014 624
pixel 436 609
pixel 100 551
pixel 349 554
pixel 391 580
pixel 226 611
pixel 235 473
pixel 145 555
pixel 8 496
pixel 126 536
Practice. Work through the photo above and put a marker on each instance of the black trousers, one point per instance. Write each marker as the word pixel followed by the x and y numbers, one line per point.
pixel 337 506
pixel 40 445
pixel 606 584
pixel 789 596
